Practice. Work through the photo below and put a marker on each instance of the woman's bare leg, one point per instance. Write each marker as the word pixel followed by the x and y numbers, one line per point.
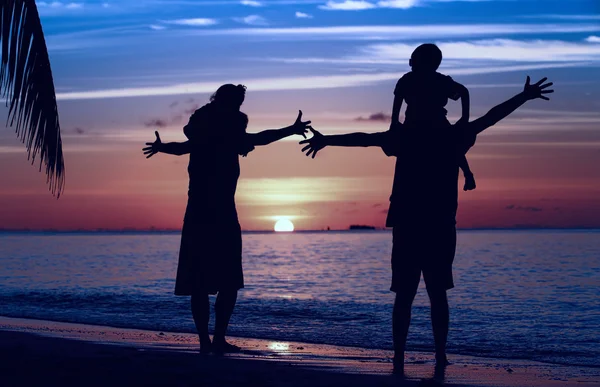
pixel 201 314
pixel 223 310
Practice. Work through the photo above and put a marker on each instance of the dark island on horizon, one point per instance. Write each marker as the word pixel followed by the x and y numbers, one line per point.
pixel 361 227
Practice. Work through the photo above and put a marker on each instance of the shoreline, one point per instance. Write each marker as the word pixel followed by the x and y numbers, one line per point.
pixel 31 321
pixel 333 365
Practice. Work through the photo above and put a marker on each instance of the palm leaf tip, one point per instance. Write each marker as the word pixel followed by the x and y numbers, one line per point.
pixel 27 84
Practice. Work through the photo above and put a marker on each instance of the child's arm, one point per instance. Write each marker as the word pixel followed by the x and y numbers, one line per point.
pixel 171 148
pixel 268 136
pixel 318 141
pixel 465 101
pixel 398 99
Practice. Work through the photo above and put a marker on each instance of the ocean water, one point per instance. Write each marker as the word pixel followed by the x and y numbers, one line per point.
pixel 519 294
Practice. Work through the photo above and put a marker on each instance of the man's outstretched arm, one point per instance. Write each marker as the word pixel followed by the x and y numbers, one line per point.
pixel 319 141
pixel 499 112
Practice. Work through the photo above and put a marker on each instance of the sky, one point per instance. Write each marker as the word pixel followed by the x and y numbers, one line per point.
pixel 125 68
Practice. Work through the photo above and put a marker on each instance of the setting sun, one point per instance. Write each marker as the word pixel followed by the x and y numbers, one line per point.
pixel 284 225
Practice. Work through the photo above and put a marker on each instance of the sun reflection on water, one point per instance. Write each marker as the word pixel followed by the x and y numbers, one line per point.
pixel 279 346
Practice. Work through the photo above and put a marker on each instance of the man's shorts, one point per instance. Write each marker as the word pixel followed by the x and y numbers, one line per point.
pixel 429 250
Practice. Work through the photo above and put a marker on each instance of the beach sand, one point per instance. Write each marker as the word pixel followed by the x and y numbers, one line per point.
pixel 36 353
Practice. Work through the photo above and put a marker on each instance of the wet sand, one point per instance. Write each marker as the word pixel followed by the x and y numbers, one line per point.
pixel 34 353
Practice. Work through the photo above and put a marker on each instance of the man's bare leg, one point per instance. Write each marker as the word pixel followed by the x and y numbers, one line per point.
pixel 440 321
pixel 401 322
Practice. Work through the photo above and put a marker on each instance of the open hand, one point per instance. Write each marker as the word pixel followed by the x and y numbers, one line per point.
pixel 315 143
pixel 300 127
pixel 537 90
pixel 154 147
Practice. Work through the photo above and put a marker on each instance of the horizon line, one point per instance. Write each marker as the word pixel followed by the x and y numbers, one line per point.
pixel 374 229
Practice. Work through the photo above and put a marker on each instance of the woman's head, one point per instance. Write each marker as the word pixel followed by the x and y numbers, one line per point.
pixel 229 96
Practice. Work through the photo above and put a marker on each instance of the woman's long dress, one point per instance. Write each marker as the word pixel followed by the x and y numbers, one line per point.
pixel 210 256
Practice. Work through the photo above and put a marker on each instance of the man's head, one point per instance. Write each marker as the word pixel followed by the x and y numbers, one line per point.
pixel 230 96
pixel 426 57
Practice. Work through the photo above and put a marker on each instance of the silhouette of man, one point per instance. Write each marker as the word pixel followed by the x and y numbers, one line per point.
pixel 424 220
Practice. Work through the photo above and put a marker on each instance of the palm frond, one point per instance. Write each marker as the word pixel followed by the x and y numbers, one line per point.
pixel 27 85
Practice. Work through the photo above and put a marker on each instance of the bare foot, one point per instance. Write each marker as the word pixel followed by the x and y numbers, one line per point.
pixel 398 366
pixel 441 361
pixel 221 347
pixel 205 345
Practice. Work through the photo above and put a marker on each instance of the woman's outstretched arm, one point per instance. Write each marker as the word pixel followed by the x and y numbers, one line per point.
pixel 499 112
pixel 271 135
pixel 319 141
pixel 171 148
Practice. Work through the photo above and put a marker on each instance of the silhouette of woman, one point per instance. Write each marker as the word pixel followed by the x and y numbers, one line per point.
pixel 210 256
